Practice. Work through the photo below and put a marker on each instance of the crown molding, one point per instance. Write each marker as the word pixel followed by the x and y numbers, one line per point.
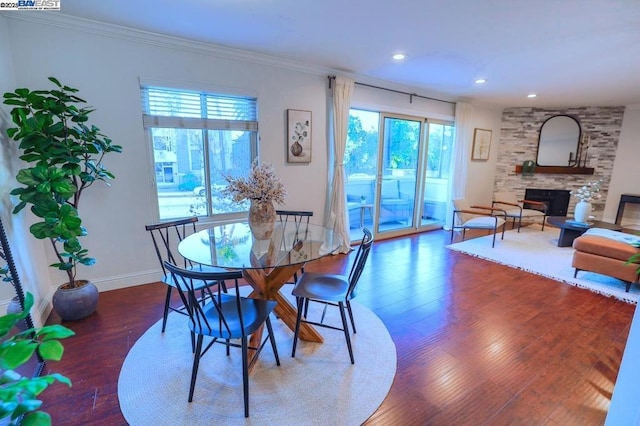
pixel 104 29
pixel 68 22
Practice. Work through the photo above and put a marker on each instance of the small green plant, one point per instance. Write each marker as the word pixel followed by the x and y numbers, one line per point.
pixel 64 156
pixel 635 258
pixel 18 394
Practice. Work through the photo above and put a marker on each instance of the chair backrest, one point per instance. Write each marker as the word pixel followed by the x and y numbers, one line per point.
pixel 507 197
pixel 461 204
pixel 297 218
pixel 390 189
pixel 228 307
pixel 167 235
pixel 359 262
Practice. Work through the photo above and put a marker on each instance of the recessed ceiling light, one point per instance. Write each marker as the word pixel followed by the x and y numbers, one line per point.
pixel 399 56
pixel 480 81
pixel 531 95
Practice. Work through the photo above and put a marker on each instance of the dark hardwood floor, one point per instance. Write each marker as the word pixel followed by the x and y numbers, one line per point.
pixel 477 343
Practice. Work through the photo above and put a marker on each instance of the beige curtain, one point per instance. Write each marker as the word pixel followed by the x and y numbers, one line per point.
pixel 458 181
pixel 342 90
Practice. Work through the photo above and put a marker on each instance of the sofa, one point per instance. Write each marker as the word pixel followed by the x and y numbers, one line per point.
pixel 606 252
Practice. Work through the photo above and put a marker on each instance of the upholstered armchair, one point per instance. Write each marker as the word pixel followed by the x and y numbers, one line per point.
pixel 353 206
pixel 477 217
pixel 394 205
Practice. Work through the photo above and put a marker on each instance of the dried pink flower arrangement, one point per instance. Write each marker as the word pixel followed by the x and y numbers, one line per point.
pixel 262 185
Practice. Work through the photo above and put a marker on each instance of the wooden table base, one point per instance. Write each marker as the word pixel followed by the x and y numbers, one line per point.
pixel 266 284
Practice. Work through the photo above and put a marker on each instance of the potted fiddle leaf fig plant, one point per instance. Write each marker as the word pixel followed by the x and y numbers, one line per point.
pixel 64 156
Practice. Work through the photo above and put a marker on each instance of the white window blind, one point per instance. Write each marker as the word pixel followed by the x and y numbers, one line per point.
pixel 164 107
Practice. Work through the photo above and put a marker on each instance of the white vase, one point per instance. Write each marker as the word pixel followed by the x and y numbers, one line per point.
pixel 582 211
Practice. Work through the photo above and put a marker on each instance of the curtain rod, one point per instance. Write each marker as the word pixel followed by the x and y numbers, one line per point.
pixel 411 95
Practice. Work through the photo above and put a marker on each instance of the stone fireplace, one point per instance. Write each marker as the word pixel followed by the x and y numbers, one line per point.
pixel 519 135
pixel 556 200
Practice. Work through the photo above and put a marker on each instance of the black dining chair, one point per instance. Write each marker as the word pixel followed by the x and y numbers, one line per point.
pixel 331 290
pixel 224 317
pixel 166 236
pixel 299 220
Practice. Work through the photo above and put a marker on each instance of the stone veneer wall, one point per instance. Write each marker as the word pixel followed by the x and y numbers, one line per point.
pixel 519 142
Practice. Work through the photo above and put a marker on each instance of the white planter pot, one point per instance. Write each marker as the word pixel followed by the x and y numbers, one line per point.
pixel 582 211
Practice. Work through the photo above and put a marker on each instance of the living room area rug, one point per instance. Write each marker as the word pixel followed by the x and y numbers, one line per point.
pixel 537 251
pixel 319 386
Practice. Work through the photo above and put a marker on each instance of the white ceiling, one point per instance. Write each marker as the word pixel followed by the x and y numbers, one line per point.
pixel 569 52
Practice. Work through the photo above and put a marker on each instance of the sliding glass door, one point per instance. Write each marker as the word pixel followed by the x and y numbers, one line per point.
pixel 397 170
pixel 435 194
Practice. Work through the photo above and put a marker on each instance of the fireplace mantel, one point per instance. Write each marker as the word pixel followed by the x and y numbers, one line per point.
pixel 560 170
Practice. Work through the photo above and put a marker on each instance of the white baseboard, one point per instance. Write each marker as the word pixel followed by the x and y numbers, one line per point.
pixel 42 308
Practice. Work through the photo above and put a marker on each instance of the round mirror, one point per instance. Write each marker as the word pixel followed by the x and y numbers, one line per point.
pixel 558 143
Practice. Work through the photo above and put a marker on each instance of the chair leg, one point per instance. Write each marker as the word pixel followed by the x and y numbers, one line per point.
pixel 346 331
pixel 544 219
pixel 519 223
pixel 196 363
pixel 297 330
pixel 273 341
pixel 245 374
pixel 306 308
pixel 228 341
pixel 166 308
pixel 353 323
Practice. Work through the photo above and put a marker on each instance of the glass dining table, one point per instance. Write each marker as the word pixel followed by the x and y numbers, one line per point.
pixel 266 264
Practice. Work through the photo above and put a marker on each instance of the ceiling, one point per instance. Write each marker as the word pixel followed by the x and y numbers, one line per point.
pixel 568 52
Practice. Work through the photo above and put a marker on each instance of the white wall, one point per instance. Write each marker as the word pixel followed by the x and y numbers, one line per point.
pixel 481 174
pixel 106 70
pixel 626 173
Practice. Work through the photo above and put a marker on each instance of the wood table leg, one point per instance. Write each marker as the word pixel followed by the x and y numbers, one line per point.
pixel 266 285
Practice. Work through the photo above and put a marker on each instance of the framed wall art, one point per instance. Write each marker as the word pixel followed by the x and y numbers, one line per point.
pixel 481 144
pixel 298 136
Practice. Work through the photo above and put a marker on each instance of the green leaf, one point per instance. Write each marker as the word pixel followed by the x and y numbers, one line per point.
pixel 88 261
pixel 22 92
pixel 61 378
pixel 55 81
pixel 16 354
pixel 51 350
pixel 55 331
pixel 15 102
pixel 40 230
pixel 37 418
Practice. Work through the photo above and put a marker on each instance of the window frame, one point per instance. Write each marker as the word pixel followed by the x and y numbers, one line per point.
pixel 204 125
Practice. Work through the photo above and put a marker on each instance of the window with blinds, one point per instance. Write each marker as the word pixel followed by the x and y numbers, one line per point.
pixel 198 139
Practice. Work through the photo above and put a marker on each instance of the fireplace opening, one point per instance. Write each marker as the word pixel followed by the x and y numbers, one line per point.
pixel 556 200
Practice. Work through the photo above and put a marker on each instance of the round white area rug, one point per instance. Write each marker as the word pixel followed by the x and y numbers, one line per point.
pixel 319 386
